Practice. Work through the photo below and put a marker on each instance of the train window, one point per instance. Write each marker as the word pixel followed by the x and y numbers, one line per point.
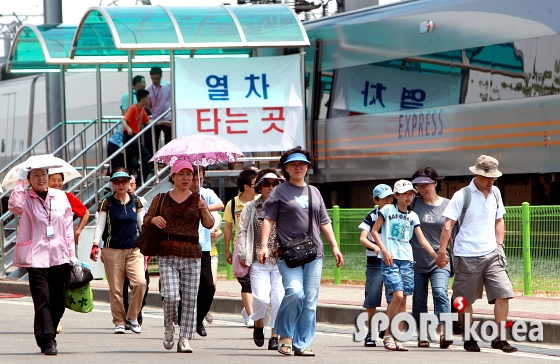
pixel 3 147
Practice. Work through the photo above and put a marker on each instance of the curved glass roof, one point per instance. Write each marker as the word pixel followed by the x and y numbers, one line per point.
pixel 106 35
pixel 41 47
pixel 159 27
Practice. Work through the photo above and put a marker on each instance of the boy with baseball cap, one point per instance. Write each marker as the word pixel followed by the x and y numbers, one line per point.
pixel 382 195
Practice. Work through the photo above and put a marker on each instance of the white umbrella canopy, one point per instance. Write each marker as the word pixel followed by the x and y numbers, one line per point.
pixel 47 161
pixel 67 170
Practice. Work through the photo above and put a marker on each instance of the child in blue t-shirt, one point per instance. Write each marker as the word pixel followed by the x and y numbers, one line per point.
pixel 397 266
pixel 382 195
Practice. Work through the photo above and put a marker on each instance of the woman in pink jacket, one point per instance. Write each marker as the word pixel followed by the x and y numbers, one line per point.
pixel 45 247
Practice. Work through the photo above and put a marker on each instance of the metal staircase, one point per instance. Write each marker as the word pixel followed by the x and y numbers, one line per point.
pixel 86 151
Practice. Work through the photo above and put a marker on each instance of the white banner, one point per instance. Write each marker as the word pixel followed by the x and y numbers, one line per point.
pixel 255 103
pixel 370 89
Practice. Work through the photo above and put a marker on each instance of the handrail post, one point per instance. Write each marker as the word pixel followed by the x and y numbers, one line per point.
pixel 2 242
pixel 336 228
pixel 140 161
pixel 526 222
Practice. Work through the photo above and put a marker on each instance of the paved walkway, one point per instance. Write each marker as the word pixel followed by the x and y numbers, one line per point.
pixel 532 308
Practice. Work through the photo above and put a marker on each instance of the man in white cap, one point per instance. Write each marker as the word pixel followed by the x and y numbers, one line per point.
pixel 479 247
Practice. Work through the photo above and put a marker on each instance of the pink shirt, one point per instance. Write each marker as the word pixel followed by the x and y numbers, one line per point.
pixel 160 100
pixel 33 247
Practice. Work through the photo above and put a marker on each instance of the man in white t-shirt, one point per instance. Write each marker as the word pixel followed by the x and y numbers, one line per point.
pixel 479 247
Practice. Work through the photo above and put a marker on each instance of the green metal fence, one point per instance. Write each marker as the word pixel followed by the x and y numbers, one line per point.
pixel 535 273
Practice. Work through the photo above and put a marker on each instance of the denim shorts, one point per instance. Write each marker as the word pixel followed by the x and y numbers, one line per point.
pixel 399 276
pixel 374 286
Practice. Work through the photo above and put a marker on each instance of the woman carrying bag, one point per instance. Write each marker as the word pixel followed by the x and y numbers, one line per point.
pixel 179 253
pixel 288 207
pixel 45 247
pixel 121 214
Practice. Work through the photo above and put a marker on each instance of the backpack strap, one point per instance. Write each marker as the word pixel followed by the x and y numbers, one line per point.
pixel 108 202
pixel 494 188
pixel 232 209
pixel 135 199
pixel 466 204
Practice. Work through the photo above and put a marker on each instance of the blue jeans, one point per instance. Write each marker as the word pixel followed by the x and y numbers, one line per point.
pixel 298 311
pixel 374 286
pixel 440 282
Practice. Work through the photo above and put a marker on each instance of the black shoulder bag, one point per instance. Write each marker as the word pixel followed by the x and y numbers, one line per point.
pixel 149 239
pixel 301 250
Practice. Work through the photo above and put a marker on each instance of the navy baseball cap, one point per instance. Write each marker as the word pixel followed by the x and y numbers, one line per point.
pixel 382 191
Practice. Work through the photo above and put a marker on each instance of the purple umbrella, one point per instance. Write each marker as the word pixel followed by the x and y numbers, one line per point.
pixel 200 150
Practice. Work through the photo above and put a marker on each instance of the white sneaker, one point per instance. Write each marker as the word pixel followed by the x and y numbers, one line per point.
pixel 248 322
pixel 59 328
pixel 119 329
pixel 183 346
pixel 134 326
pixel 169 338
pixel 209 318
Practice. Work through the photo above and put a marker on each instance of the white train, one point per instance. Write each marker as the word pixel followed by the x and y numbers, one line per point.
pixel 23 110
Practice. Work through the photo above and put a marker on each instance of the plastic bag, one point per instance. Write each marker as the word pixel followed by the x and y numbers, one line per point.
pixel 80 275
pixel 237 269
pixel 80 299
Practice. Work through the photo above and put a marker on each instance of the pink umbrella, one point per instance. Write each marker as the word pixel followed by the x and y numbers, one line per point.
pixel 200 150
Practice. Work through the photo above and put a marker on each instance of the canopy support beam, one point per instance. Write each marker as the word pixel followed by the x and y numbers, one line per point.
pixel 99 96
pixel 172 96
pixel 62 80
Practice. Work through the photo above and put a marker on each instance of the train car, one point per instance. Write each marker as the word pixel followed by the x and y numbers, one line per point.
pixel 23 110
pixel 436 83
pixel 22 115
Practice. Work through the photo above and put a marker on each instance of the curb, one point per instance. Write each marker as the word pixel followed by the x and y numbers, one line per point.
pixel 326 313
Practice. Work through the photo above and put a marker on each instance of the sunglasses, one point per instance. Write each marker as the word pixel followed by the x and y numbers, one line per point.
pixel 269 184
pixel 120 181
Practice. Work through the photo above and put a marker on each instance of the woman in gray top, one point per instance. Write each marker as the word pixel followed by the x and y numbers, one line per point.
pixel 429 207
pixel 288 206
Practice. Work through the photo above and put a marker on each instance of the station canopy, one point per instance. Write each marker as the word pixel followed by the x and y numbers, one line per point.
pixel 107 35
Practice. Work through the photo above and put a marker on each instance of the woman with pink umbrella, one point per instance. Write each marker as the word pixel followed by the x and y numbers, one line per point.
pixel 180 212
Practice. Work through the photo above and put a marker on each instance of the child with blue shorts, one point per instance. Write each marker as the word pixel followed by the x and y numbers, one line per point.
pixel 382 195
pixel 398 225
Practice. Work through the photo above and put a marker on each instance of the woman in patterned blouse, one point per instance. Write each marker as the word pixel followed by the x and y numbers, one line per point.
pixel 266 281
pixel 179 253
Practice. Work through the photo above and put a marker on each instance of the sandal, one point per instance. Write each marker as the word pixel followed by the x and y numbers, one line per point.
pixel 287 346
pixel 304 352
pixel 444 344
pixel 424 343
pixel 400 346
pixel 389 343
